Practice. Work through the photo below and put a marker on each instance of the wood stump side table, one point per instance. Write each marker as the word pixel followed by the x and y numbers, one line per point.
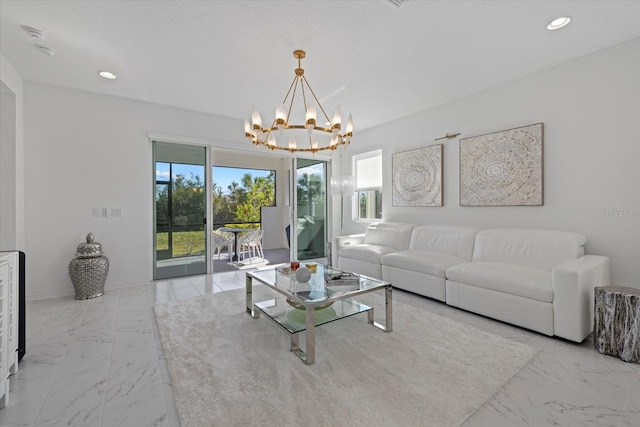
pixel 616 329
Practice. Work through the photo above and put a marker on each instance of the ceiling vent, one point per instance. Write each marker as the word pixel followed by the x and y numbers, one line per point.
pixel 45 50
pixel 34 33
pixel 398 3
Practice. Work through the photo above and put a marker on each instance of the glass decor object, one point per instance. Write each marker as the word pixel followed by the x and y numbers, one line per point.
pixel 89 269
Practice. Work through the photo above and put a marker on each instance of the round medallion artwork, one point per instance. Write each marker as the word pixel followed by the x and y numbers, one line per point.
pixel 503 168
pixel 417 177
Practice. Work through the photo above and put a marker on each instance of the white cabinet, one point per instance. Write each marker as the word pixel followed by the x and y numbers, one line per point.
pixel 8 321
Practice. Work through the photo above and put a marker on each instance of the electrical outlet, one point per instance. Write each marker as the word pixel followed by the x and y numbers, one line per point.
pixel 116 212
pixel 95 212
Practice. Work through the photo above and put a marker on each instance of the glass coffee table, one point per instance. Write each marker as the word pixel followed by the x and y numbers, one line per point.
pixel 327 297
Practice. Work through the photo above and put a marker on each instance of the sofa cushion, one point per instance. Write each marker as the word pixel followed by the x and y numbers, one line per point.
pixel 449 239
pixel 364 252
pixel 433 263
pixel 513 279
pixel 541 249
pixel 392 234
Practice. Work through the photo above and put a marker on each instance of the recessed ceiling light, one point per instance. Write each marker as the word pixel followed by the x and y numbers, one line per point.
pixel 107 75
pixel 558 23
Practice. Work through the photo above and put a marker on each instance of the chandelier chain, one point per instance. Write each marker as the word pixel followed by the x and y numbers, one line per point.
pixel 316 98
pixel 289 91
pixel 304 96
pixel 295 89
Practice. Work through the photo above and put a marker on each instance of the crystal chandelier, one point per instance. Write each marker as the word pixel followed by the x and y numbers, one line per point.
pixel 316 138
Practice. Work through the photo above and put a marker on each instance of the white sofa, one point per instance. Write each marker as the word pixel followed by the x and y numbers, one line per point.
pixel 362 253
pixel 432 250
pixel 537 279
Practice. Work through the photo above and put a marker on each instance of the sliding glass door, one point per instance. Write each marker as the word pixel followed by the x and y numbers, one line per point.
pixel 311 208
pixel 180 235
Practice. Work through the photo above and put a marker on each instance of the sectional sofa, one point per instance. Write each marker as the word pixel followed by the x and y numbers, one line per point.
pixel 538 279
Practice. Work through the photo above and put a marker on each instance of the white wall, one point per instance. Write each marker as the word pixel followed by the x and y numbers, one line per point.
pixel 12 228
pixel 590 108
pixel 7 168
pixel 84 151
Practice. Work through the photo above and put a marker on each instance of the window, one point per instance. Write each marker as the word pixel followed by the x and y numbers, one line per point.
pixel 368 172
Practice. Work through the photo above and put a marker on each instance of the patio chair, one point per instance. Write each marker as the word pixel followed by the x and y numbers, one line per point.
pixel 222 239
pixel 250 244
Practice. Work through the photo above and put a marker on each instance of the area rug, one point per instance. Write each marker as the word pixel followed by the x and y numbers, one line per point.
pixel 228 369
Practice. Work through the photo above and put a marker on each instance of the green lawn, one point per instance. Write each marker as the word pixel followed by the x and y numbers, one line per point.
pixel 188 243
pixel 185 243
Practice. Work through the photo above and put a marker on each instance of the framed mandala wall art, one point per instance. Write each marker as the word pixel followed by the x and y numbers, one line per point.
pixel 502 168
pixel 417 177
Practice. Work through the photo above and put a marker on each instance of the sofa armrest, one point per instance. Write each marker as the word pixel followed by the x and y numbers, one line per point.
pixel 345 241
pixel 353 239
pixel 573 293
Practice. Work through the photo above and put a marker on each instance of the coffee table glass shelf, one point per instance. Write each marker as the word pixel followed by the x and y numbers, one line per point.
pixel 301 307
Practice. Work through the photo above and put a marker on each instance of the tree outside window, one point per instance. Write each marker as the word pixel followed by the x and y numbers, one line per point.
pixel 238 194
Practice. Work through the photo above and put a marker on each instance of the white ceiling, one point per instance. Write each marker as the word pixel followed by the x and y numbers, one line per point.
pixel 380 62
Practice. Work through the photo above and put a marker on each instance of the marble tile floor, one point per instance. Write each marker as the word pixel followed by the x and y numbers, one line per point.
pixel 99 362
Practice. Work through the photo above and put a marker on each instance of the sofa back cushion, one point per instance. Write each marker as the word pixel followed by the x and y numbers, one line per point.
pixel 392 234
pixel 542 249
pixel 449 239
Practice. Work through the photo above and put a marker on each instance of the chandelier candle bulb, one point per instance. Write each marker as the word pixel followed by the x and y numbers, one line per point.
pixel 257 120
pixel 247 129
pixel 271 141
pixel 281 118
pixel 336 122
pixel 349 129
pixel 311 119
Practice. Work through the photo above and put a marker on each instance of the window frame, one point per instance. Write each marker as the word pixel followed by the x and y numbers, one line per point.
pixel 358 157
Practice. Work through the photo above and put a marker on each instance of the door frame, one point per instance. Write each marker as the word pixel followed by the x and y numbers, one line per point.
pixel 293 208
pixel 207 195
